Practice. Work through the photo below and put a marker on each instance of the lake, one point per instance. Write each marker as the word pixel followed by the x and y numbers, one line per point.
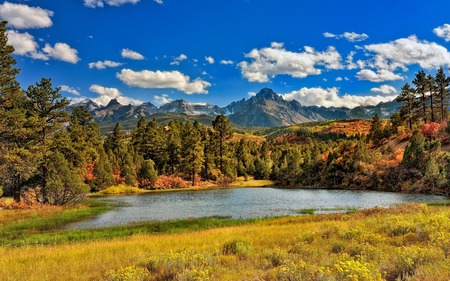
pixel 241 203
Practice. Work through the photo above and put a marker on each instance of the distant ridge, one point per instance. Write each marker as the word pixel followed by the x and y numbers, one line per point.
pixel 265 109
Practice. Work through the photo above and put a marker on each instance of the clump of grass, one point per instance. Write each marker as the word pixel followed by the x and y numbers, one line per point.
pixel 236 247
pixel 306 211
pixel 130 273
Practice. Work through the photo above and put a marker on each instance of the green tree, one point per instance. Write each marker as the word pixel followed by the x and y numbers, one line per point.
pixel 46 106
pixel 432 93
pixel 64 184
pixel 222 128
pixel 442 84
pixel 173 145
pixel 103 172
pixel 414 155
pixel 422 88
pixel 192 150
pixel 376 130
pixel 17 163
pixel 147 174
pixel 408 109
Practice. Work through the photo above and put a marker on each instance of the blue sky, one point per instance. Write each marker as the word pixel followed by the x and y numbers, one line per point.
pixel 330 53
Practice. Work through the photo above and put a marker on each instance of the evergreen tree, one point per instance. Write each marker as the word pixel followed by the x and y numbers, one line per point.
pixel 376 130
pixel 432 93
pixel 192 150
pixel 147 174
pixel 442 84
pixel 129 170
pixel 414 155
pixel 154 146
pixel 17 163
pixel 422 88
pixel 173 145
pixel 64 184
pixel 138 135
pixel 222 128
pixel 408 109
pixel 46 106
pixel 209 152
pixel 103 172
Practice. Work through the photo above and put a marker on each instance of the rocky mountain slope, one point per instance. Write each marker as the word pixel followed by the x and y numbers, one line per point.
pixel 266 109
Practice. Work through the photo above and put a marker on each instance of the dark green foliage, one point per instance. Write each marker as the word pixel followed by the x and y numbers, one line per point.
pixel 103 173
pixel 64 184
pixel 222 128
pixel 147 174
pixel 415 152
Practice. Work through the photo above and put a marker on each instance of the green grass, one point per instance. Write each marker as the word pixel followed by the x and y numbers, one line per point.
pixel 31 226
pixel 47 230
pixel 306 211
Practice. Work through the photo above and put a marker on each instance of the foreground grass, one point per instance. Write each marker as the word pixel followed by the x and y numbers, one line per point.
pixel 411 242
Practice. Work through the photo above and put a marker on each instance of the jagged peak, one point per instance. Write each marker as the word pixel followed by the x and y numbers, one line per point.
pixel 113 102
pixel 268 94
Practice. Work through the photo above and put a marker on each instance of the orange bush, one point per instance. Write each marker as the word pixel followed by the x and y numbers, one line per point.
pixel 430 130
pixel 168 182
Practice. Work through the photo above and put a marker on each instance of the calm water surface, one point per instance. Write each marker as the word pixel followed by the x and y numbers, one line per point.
pixel 241 203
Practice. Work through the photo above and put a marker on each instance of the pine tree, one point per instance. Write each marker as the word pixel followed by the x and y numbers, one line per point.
pixel 432 93
pixel 442 83
pixel 192 150
pixel 408 109
pixel 64 185
pixel 147 174
pixel 103 172
pixel 46 107
pixel 17 163
pixel 222 128
pixel 376 130
pixel 414 155
pixel 173 146
pixel 421 90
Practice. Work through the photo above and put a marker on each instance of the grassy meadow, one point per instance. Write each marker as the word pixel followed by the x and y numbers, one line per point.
pixel 410 242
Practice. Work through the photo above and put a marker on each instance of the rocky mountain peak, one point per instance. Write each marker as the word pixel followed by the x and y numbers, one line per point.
pixel 113 102
pixel 268 94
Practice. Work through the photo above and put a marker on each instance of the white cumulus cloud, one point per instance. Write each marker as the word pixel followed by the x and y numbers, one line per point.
pixel 104 64
pixel 129 54
pixel 68 89
pixel 385 89
pixel 62 52
pixel 209 59
pixel 350 36
pixel 163 80
pixel 379 76
pixel 101 3
pixel 160 2
pixel 329 97
pixel 23 43
pixel 179 59
pixel 162 99
pixel 23 16
pixel 408 51
pixel 443 32
pixel 107 94
pixel 276 60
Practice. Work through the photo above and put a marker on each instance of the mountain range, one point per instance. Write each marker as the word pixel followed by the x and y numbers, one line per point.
pixel 265 109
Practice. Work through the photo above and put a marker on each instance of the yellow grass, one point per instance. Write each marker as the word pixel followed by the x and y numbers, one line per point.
pixel 412 242
pixel 241 182
pixel 120 189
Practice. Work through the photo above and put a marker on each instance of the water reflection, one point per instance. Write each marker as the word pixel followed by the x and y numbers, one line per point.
pixel 240 203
